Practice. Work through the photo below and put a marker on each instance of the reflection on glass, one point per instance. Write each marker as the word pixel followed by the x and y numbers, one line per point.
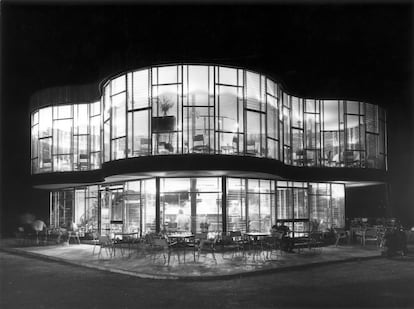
pixel 91 211
pixel 254 98
pixel 227 76
pixel 45 122
pixel 80 208
pixel 228 109
pixel 139 132
pixel 330 115
pixel 236 205
pixel 198 93
pixel 118 84
pixel 166 75
pixel 140 89
pixel 148 206
pixel 254 136
pixel 118 115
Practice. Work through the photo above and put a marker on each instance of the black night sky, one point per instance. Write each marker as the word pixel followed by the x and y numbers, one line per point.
pixel 346 51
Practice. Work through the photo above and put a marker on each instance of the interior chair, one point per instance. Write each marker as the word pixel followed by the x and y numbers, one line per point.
pixel 251 148
pixel 198 143
pixel 83 161
pixel 235 144
pixel 349 158
pixel 145 146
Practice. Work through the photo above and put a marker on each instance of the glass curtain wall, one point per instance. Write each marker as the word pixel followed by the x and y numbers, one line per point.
pixel 273 121
pixel 250 205
pixel 198 109
pixel 139 111
pixel 180 109
pixel 35 142
pixel 190 205
pixel 292 206
pixel 66 138
pixel 195 205
pixel 229 116
pixel 62 208
pixel 308 207
pixel 166 109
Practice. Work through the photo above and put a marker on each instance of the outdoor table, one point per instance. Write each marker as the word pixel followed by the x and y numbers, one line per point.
pixel 256 240
pixel 125 238
pixel 256 235
pixel 182 239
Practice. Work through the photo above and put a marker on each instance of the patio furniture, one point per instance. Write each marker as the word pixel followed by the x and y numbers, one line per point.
pixel 73 235
pixel 340 234
pixel 256 241
pixel 230 243
pixel 273 245
pixel 105 242
pixel 125 242
pixel 183 241
pixel 313 243
pixel 161 246
pixel 95 241
pixel 206 246
pixel 371 235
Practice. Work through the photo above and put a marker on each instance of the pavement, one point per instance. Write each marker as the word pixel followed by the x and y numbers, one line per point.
pixel 138 262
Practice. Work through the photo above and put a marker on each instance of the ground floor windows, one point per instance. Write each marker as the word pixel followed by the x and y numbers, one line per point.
pixel 199 204
pixel 191 204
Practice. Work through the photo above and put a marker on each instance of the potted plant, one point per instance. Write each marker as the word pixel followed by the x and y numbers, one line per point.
pixel 164 123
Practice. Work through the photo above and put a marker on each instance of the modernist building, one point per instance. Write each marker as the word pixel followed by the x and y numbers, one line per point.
pixel 227 147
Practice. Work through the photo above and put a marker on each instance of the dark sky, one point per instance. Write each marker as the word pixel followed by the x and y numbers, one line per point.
pixel 347 51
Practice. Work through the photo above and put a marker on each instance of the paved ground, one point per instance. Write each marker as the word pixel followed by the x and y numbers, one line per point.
pixel 35 283
pixel 140 263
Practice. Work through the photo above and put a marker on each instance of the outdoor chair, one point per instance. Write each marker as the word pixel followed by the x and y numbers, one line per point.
pixel 95 241
pixel 228 244
pixel 340 234
pixel 371 235
pixel 206 246
pixel 272 245
pixel 105 243
pixel 125 244
pixel 161 246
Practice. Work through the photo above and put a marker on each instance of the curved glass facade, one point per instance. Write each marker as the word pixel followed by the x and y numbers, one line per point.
pixel 66 138
pixel 206 109
pixel 197 204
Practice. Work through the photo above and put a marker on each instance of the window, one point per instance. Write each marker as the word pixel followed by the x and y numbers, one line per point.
pixel 190 204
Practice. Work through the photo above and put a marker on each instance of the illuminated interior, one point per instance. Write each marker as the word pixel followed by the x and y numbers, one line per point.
pixel 181 109
pixel 200 205
pixel 213 112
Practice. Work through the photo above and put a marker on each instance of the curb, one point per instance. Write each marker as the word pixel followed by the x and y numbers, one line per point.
pixel 187 278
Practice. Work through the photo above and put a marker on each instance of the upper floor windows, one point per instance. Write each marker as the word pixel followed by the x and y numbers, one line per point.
pixel 180 109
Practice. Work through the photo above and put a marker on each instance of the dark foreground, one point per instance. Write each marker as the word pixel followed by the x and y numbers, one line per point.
pixel 34 283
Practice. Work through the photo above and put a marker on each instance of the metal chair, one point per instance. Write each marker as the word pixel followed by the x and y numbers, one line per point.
pixel 105 243
pixel 206 246
pixel 340 234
